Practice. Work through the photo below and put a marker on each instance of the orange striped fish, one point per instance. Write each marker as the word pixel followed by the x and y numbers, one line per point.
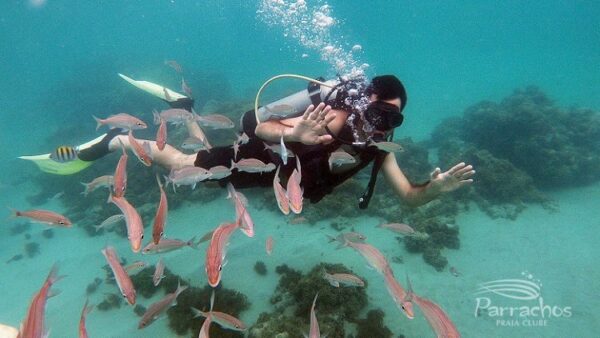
pixel 120 176
pixel 142 152
pixel 82 329
pixel 121 276
pixel 161 135
pixel 294 192
pixel 280 194
pixel 33 325
pixel 158 229
pixel 402 298
pixel 135 228
pixel 216 251
pixel 269 245
pixel 43 216
pixel 437 318
pixel 314 324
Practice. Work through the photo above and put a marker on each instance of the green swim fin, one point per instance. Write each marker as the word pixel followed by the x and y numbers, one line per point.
pixel 47 164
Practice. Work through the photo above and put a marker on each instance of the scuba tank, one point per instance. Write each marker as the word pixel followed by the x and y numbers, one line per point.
pixel 294 105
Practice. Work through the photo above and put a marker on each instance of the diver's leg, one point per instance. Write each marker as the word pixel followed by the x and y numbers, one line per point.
pixel 169 157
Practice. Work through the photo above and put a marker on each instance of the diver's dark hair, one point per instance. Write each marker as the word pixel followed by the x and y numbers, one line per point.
pixel 388 87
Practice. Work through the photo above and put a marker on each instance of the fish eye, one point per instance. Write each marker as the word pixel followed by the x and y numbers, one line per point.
pixel 161 233
pixel 61 222
pixel 124 296
pixel 142 236
pixel 220 267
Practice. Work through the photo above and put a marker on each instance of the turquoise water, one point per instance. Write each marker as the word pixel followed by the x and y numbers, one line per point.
pixel 59 66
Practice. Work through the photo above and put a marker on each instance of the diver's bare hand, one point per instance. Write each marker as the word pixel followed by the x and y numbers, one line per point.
pixel 456 177
pixel 311 128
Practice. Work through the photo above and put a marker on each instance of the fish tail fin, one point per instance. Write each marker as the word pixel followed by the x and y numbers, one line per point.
pixel 156 117
pixel 197 313
pixel 87 308
pixel 191 243
pixel 159 182
pixel 13 212
pixel 98 122
pixel 86 191
pixel 180 288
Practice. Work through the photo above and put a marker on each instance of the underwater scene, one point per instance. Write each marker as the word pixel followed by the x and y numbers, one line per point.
pixel 300 168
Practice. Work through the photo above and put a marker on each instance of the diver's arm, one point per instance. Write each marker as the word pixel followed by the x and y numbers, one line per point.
pixel 307 129
pixel 169 158
pixel 415 195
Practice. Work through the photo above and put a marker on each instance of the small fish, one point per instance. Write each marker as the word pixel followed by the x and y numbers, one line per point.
pixel 225 320
pixel 135 266
pixel 120 176
pixel 401 228
pixel 204 330
pixel 122 120
pixel 84 312
pixel 174 116
pixel 33 324
pixel 193 143
pixel 186 89
pixel 338 158
pixel 215 121
pixel 437 318
pixel 188 175
pixel 56 196
pixel 15 258
pixel 252 165
pixel 216 252
pixel 390 147
pixel 298 220
pixel 269 245
pixel 219 172
pixel 142 151
pixel 173 64
pixel 241 211
pixel 454 272
pixel 64 154
pixel 156 309
pixel 160 219
pixel 280 109
pixel 161 135
pixel 347 236
pixel 159 272
pixel 284 153
pixel 373 256
pixel 135 227
pixel 294 191
pixel 242 139
pixel 166 245
pixel 236 150
pixel 276 148
pixel 280 194
pixel 337 279
pixel 123 281
pixel 43 216
pixel 105 181
pixel 401 297
pixel 109 221
pixel 314 324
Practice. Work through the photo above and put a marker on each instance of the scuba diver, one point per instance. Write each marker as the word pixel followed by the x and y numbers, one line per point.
pixel 350 115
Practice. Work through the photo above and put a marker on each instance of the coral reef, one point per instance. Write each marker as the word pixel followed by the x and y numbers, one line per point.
pixel 555 147
pixel 32 249
pixel 182 320
pixel 19 228
pixel 260 268
pixel 373 326
pixel 293 299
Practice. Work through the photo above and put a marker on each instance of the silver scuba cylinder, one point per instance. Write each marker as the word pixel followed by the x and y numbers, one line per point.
pixel 294 105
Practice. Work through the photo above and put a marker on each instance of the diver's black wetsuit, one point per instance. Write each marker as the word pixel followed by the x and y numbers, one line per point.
pixel 317 179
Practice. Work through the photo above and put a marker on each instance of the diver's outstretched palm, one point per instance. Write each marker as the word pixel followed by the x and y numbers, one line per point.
pixel 311 128
pixel 452 179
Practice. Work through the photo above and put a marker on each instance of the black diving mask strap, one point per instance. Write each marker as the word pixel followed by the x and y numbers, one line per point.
pixel 363 201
